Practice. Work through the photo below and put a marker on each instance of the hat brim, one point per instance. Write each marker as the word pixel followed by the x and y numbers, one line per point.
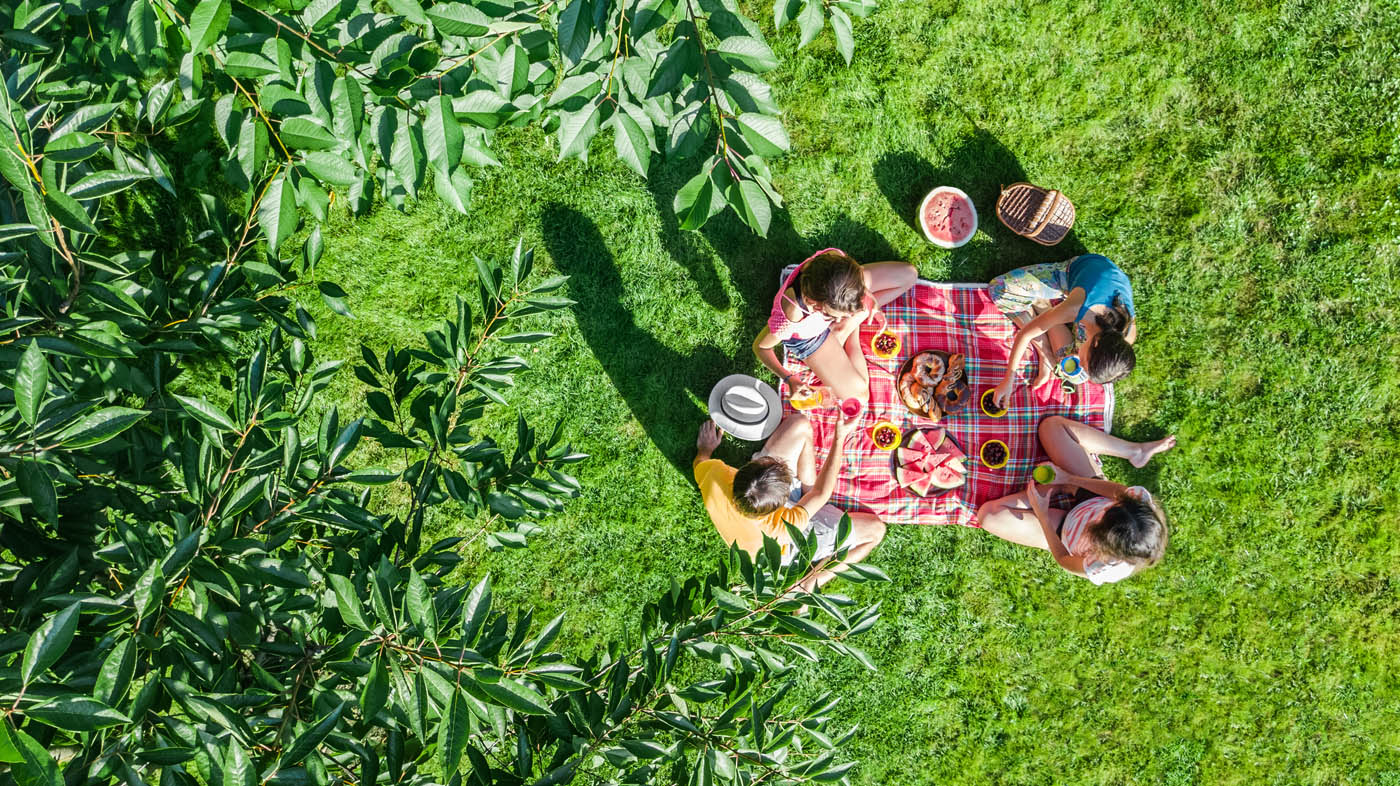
pixel 749 432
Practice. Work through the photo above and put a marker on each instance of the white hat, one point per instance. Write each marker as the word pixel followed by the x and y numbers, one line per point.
pixel 746 407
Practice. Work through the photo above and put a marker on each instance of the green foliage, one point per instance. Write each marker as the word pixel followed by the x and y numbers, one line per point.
pixel 314 99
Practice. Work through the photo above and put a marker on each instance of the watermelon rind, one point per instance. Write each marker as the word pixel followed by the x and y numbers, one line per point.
pixel 945 478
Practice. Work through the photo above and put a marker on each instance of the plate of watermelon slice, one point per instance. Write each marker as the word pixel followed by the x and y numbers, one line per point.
pixel 929 462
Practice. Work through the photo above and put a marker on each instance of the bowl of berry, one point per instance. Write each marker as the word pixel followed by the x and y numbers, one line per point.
pixel 994 454
pixel 885 344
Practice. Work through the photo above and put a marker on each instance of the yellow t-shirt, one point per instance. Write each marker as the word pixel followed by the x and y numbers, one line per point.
pixel 716 481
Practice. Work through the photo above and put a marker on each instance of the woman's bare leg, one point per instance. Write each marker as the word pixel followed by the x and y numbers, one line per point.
pixel 833 363
pixel 1011 518
pixel 1073 445
pixel 888 280
pixel 867 530
pixel 792 442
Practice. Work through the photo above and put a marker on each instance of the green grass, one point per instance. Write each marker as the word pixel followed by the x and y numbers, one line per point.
pixel 1240 161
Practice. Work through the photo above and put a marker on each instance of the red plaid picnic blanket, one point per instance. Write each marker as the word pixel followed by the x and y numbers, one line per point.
pixel 951 318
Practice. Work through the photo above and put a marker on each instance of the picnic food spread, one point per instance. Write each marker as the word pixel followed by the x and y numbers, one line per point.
pixel 929 460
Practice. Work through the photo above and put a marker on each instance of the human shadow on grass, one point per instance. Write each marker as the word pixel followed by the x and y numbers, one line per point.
pixel 981 166
pixel 751 263
pixel 651 377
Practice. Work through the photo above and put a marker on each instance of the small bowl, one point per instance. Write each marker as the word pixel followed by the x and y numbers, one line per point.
pixel 1005 454
pixel 989 408
pixel 898 344
pixel 885 425
pixel 923 222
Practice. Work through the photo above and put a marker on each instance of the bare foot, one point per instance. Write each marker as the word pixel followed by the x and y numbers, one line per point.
pixel 1147 450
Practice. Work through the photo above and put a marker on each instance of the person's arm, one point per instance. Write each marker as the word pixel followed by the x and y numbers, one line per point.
pixel 1130 335
pixel 1058 315
pixel 1099 486
pixel 706 442
pixel 1066 560
pixel 819 494
pixel 763 350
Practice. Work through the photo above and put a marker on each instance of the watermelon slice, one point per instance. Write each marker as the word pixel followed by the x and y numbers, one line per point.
pixel 956 465
pixel 952 450
pixel 906 477
pixel 922 485
pixel 945 478
pixel 937 440
pixel 918 442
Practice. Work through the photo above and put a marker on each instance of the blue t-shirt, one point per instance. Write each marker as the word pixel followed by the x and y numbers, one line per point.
pixel 1101 280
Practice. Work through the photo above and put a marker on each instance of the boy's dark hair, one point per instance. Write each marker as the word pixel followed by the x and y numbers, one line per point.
pixel 1132 530
pixel 836 280
pixel 762 485
pixel 1111 357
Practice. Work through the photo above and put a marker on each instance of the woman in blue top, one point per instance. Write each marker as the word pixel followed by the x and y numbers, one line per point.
pixel 1094 294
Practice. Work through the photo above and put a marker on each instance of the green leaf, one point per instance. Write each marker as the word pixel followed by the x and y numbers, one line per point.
pixel 312 738
pixel 782 12
pixel 845 39
pixel 802 626
pixel 277 213
pixel 455 18
pixel 810 21
pixel 206 413
pixel 35 483
pixel 31 383
pixel 207 23
pixel 8 753
pixel 48 643
pixel 452 734
pixel 764 133
pixel 72 147
pixel 751 203
pixel 330 168
pixel 442 136
pixel 576 130
pixel 505 506
pixel 749 54
pixel 476 609
pixel 76 713
pixel 148 591
pixel 575 30
pixel 373 476
pixel 418 604
pixel 347 600
pixel 516 696
pixel 98 427
pixel 631 143
pixel 244 496
pixel 376 690
pixel 68 212
pixel 101 184
pixel 306 134
pixel 35 766
pixel 410 9
pixel 334 297
pixel 455 190
pixel 114 678
pixel 697 200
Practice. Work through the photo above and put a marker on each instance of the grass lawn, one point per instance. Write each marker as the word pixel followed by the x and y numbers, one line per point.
pixel 1240 160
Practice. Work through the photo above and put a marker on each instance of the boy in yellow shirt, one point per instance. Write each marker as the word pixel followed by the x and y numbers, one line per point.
pixel 780 485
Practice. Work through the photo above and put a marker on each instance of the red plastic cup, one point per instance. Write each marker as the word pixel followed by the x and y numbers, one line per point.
pixel 852 406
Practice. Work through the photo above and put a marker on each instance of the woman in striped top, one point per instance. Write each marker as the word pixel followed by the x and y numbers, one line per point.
pixel 1115 533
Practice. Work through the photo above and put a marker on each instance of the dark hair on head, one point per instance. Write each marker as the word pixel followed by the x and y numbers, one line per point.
pixel 1111 357
pixel 1132 530
pixel 762 485
pixel 834 279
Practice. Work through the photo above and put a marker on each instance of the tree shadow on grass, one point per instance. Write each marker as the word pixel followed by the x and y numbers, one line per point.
pixel 651 377
pixel 751 263
pixel 981 166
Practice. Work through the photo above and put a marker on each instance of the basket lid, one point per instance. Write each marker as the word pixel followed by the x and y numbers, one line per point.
pixel 1035 213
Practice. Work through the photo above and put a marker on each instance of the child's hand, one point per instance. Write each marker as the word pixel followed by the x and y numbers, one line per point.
pixel 1039 502
pixel 1062 475
pixel 709 437
pixel 1001 394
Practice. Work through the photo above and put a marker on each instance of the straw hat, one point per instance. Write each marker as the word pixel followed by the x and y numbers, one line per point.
pixel 746 407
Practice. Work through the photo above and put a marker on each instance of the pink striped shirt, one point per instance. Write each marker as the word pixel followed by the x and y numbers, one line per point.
pixel 1077 521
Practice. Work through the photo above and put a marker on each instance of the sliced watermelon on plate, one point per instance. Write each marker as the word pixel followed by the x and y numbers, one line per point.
pixel 946 478
pixel 919 442
pixel 922 484
pixel 956 464
pixel 906 477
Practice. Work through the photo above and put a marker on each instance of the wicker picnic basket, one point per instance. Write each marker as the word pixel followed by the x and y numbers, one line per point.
pixel 1033 212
